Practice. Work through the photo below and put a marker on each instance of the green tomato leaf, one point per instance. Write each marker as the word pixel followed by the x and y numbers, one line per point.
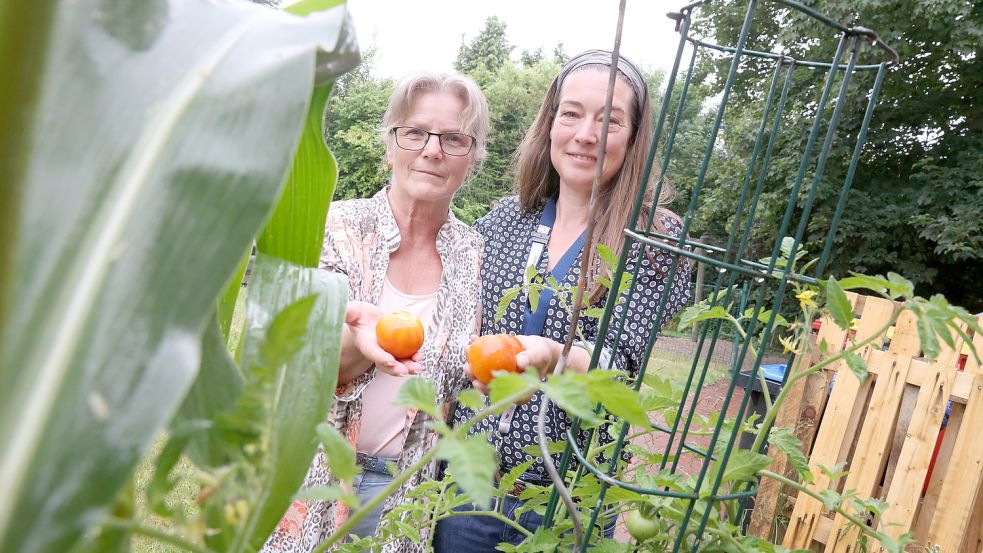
pixel 839 305
pixel 700 312
pixel 570 394
pixel 742 466
pixel 419 393
pixel 789 444
pixel 926 335
pixel 505 300
pixel 858 366
pixel 504 385
pixel 607 256
pixel 339 453
pixel 286 334
pixel 471 462
pixel 619 399
pixel 472 399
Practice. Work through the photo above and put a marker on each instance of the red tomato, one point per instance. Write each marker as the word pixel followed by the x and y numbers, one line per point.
pixel 400 333
pixel 495 352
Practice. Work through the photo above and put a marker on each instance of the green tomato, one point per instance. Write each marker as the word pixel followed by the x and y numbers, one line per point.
pixel 640 527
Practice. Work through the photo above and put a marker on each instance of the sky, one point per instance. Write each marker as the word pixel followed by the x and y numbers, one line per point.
pixel 413 35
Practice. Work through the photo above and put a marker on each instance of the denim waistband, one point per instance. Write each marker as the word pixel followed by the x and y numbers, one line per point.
pixel 374 463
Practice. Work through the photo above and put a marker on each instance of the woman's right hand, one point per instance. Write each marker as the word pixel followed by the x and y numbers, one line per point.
pixel 361 319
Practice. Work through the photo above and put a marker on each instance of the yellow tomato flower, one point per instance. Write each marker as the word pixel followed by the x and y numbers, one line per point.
pixel 806 299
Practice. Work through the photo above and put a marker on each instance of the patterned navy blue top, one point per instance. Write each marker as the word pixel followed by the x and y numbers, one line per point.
pixel 507 232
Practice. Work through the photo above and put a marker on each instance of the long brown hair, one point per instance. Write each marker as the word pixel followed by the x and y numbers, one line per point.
pixel 536 179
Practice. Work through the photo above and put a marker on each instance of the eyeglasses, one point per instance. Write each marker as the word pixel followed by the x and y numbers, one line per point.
pixel 451 143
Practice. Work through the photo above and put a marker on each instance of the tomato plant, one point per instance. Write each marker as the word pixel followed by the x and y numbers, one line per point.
pixel 642 527
pixel 400 333
pixel 495 352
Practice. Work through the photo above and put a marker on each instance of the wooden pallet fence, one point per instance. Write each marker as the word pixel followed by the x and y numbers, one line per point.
pixel 886 431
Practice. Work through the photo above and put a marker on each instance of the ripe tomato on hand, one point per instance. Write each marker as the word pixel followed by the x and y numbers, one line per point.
pixel 399 333
pixel 494 352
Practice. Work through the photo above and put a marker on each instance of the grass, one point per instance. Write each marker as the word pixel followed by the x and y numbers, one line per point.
pixel 676 367
pixel 181 499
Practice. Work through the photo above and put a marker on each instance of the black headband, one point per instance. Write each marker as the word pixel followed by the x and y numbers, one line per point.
pixel 603 57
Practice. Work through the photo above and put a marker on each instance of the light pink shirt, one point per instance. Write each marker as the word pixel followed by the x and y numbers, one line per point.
pixel 384 429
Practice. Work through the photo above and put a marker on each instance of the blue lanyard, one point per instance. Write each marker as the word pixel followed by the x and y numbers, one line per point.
pixel 534 321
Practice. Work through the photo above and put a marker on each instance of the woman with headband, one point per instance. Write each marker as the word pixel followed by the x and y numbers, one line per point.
pixel 543 227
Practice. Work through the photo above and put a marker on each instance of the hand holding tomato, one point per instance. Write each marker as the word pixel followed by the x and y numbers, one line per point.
pixel 400 333
pixel 494 352
pixel 361 320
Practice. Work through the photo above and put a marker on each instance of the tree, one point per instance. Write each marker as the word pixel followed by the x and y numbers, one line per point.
pixel 486 53
pixel 353 121
pixel 917 195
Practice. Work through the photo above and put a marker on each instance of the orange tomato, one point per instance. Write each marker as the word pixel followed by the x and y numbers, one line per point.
pixel 494 352
pixel 399 333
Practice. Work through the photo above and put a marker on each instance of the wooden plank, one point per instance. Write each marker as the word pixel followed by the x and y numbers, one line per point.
pixel 958 495
pixel 906 413
pixel 801 413
pixel 916 453
pixel 830 438
pixel 833 428
pixel 905 339
pixel 923 517
pixel 872 445
pixel 973 540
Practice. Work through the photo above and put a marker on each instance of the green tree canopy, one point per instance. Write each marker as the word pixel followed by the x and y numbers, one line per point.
pixel 918 193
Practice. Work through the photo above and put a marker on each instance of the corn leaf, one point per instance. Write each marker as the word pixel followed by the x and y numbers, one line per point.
pixel 162 134
pixel 306 375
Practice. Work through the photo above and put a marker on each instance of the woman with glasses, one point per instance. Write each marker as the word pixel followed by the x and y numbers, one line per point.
pixel 402 250
pixel 543 228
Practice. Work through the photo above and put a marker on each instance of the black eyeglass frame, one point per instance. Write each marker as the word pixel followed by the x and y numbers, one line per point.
pixel 440 140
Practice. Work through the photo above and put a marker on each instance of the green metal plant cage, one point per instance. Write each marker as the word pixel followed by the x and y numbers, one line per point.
pixel 763 285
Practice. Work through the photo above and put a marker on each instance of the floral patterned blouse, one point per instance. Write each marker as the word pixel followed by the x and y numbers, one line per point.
pixel 507 233
pixel 359 237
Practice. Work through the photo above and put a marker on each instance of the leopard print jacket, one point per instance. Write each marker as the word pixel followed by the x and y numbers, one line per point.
pixel 360 236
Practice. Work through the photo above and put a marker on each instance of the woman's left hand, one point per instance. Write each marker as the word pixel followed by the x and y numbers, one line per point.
pixel 544 354
pixel 540 352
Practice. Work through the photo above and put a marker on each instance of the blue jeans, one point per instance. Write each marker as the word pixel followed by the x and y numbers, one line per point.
pixel 478 534
pixel 367 485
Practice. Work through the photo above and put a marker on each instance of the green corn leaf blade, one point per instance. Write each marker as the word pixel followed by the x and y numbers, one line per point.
pixel 471 462
pixel 789 444
pixel 307 7
pixel 295 232
pixel 304 382
pixel 214 390
pixel 421 394
pixel 338 451
pixel 133 213
pixel 839 305
pixel 28 24
pixel 227 300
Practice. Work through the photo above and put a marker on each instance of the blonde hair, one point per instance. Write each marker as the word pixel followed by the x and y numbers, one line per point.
pixel 474 118
pixel 536 179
